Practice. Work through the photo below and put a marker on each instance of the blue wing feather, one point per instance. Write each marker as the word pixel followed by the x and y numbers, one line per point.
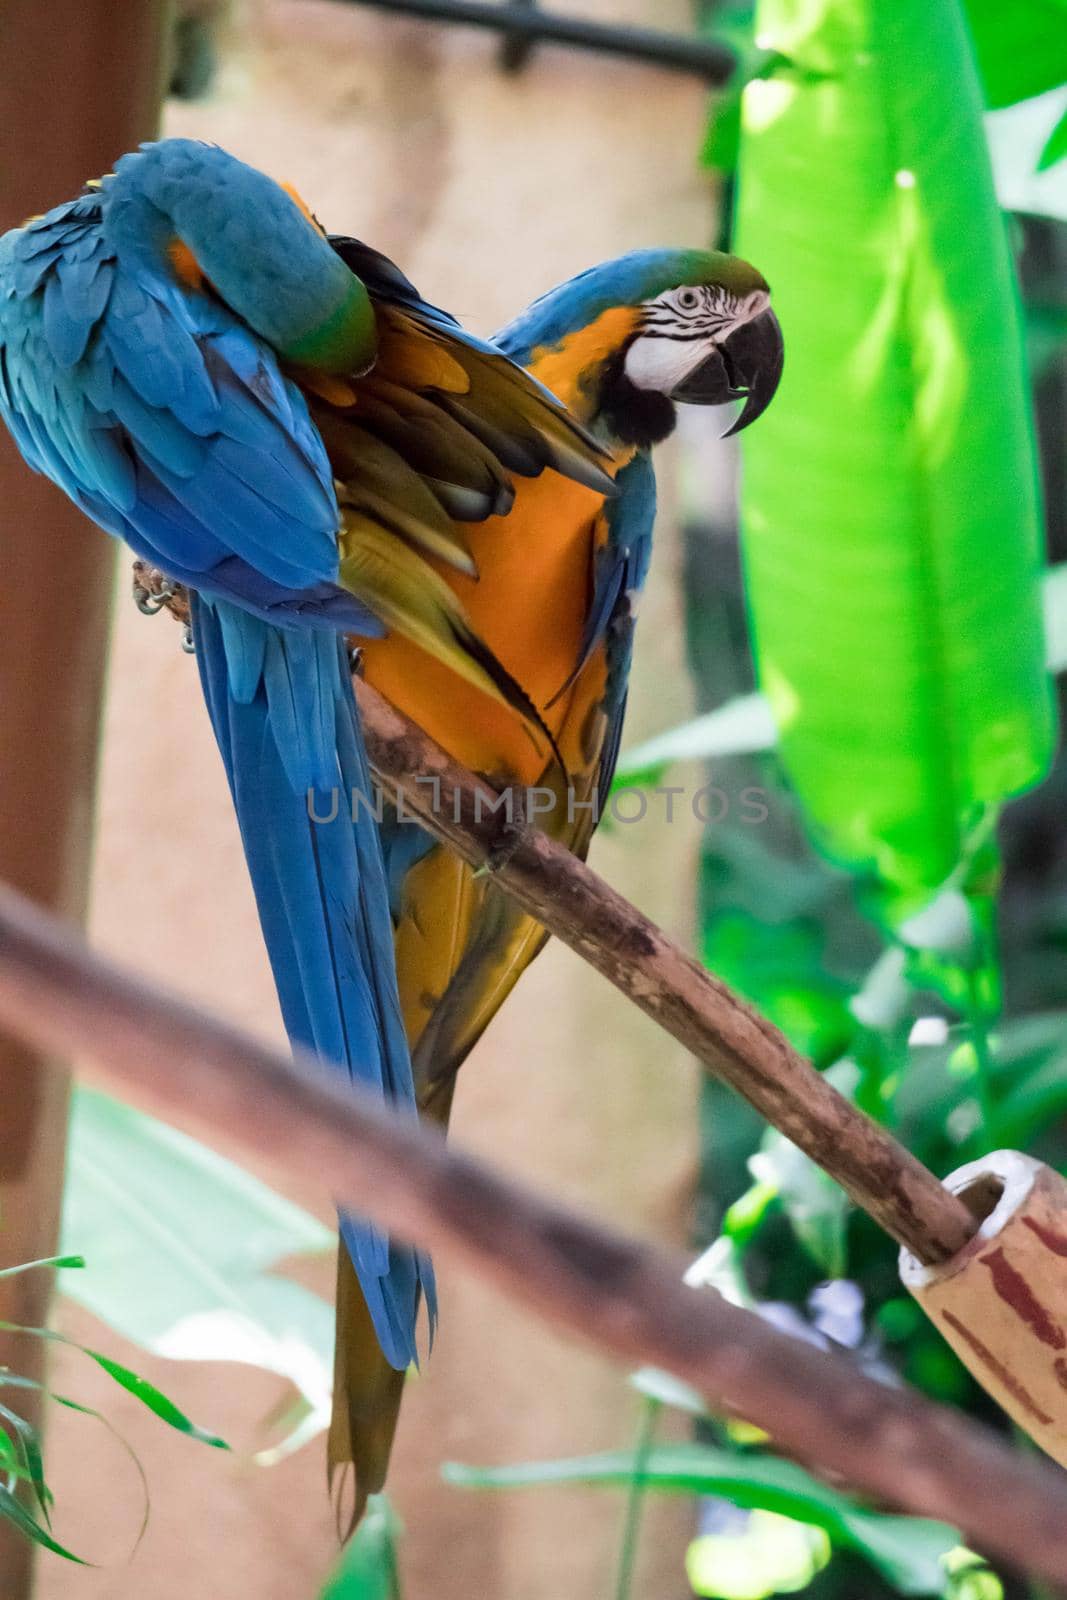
pixel 66 332
pixel 169 421
pixel 284 724
pixel 172 426
pixel 622 567
pixel 161 438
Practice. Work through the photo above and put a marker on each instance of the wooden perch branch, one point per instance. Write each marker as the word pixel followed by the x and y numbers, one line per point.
pixel 732 1040
pixel 621 1295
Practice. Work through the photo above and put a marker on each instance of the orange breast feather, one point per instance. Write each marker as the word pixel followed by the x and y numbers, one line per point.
pixel 460 944
pixel 529 604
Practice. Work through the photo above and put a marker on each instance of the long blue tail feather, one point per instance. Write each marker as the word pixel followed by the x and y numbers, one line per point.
pixel 281 705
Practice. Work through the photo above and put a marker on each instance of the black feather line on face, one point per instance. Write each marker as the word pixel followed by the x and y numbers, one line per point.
pixel 642 417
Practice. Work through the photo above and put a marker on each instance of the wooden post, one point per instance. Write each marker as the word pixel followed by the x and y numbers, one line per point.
pixel 81 83
pixel 1001 1302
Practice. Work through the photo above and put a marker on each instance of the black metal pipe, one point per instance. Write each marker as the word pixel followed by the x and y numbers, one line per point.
pixel 705 58
pixel 517 48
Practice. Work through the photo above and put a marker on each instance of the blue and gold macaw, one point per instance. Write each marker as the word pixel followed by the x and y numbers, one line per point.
pixel 285 427
pixel 279 421
pixel 554 599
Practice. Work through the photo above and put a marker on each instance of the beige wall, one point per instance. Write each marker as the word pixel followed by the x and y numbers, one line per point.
pixel 487 189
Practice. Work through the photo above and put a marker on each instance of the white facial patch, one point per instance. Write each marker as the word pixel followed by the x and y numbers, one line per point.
pixel 653 362
pixel 681 328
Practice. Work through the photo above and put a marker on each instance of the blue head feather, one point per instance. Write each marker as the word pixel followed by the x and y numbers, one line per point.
pixel 628 280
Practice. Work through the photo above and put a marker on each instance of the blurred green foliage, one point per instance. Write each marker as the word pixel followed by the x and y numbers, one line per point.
pixel 896 621
pixel 809 942
pixel 367 1567
pixel 909 1552
pixel 1020 50
pixel 26 1501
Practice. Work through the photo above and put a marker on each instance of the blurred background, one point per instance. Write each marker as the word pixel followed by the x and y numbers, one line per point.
pixel 895 539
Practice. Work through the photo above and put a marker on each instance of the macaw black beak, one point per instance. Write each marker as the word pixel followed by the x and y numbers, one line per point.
pixel 745 366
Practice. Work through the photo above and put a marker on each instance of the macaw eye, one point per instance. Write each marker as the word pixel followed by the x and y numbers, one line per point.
pixel 688 299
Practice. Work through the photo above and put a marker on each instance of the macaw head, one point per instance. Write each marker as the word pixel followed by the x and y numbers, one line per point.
pixel 626 342
pixel 193 211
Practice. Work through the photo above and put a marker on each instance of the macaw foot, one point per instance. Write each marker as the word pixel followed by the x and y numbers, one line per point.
pixel 150 602
pixel 153 592
pixel 511 831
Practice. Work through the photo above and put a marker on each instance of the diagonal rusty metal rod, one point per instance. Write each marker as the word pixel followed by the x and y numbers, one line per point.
pixel 619 1294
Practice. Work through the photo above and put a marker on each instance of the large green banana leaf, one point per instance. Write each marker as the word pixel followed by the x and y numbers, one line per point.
pixel 890 508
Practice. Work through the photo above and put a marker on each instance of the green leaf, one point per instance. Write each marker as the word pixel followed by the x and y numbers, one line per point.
pixel 154 1399
pixel 744 1216
pixel 745 725
pixel 11 1380
pixel 47 1261
pixel 817 1208
pixel 180 1240
pixel 11 1460
pixel 367 1569
pixel 668 1390
pixel 935 1104
pixel 1055 146
pixel 784 931
pixel 741 726
pixel 908 1551
pixel 721 1267
pixel 770 1555
pixel 1018 138
pixel 890 507
pixel 971 1578
pixel 1054 597
pixel 731 24
pixel 1020 47
pixel 139 1387
pixel 16 1513
pixel 27 1447
pixel 1030 1072
pixel 781 968
pixel 722 136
